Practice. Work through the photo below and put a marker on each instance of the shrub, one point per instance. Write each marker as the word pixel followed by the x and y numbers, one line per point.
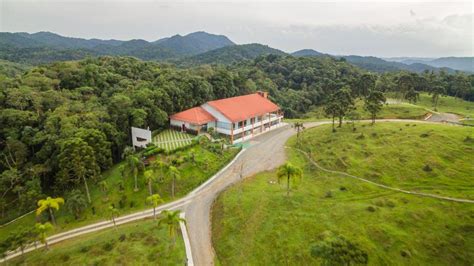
pixel 361 136
pixel 337 250
pixel 65 257
pixel 371 209
pixel 405 253
pixel 122 201
pixel 424 135
pixel 427 168
pixel 122 237
pixel 84 249
pixel 468 139
pixel 374 134
pixel 132 204
pixel 109 245
pixel 328 194
pixel 342 188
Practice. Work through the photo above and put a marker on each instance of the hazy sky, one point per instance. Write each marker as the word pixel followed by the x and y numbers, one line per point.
pixel 406 28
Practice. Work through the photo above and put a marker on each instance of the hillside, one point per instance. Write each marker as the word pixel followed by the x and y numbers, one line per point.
pixel 379 65
pixel 307 52
pixel 457 63
pixel 45 47
pixel 231 54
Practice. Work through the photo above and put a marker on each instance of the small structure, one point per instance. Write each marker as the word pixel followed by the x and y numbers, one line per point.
pixel 140 137
pixel 237 118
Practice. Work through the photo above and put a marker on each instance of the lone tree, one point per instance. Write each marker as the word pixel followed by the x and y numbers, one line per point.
pixel 154 200
pixel 49 204
pixel 171 219
pixel 291 173
pixel 374 103
pixel 337 250
pixel 42 229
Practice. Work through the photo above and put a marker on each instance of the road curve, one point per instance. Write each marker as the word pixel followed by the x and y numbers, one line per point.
pixel 266 152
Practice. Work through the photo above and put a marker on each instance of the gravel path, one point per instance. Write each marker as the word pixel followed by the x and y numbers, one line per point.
pixel 265 152
pixel 444 117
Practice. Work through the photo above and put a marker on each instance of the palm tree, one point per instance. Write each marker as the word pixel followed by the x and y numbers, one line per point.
pixel 171 219
pixel 291 172
pixel 298 127
pixel 49 204
pixel 150 177
pixel 42 229
pixel 174 174
pixel 133 166
pixel 114 212
pixel 76 203
pixel 154 200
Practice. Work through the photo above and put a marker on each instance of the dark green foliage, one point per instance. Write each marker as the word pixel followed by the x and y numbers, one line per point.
pixel 371 209
pixel 427 168
pixel 337 250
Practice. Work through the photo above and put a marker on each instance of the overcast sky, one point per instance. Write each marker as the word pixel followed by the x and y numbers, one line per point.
pixel 423 29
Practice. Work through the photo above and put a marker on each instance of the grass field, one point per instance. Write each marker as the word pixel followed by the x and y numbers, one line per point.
pixel 206 164
pixel 254 223
pixel 172 139
pixel 140 243
pixel 448 104
pixel 394 111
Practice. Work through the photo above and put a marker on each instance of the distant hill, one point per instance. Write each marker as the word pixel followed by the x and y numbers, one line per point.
pixel 194 43
pixel 307 52
pixel 379 65
pixel 42 47
pixel 231 54
pixel 457 63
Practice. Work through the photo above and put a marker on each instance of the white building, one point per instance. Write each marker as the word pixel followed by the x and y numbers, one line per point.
pixel 238 118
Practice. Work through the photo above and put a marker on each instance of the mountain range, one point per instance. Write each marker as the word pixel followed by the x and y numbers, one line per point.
pixel 191 49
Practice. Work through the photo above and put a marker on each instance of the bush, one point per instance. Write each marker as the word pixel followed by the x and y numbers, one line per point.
pixel 371 209
pixel 424 135
pixel 468 139
pixel 361 136
pixel 109 245
pixel 405 253
pixel 122 237
pixel 427 168
pixel 84 249
pixel 122 201
pixel 65 257
pixel 328 194
pixel 342 188
pixel 132 204
pixel 337 250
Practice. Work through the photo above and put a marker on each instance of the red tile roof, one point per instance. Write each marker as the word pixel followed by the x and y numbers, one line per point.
pixel 196 115
pixel 243 107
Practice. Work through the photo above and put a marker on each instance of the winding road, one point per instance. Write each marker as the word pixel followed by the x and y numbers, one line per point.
pixel 265 152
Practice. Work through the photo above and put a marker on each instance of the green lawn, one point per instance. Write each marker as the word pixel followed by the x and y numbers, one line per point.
pixel 206 164
pixel 172 139
pixel 140 243
pixel 393 111
pixel 254 223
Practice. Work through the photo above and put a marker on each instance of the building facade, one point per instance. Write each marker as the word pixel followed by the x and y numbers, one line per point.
pixel 237 118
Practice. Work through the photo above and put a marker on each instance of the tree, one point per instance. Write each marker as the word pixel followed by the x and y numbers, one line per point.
pixel 20 239
pixel 49 204
pixel 298 127
pixel 171 219
pixel 133 166
pixel 174 174
pixel 42 229
pixel 150 177
pixel 291 173
pixel 104 187
pixel 154 200
pixel 373 103
pixel 77 163
pixel 339 104
pixel 353 116
pixel 76 203
pixel 337 250
pixel 113 212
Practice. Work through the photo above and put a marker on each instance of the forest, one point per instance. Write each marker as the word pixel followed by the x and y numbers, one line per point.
pixel 68 120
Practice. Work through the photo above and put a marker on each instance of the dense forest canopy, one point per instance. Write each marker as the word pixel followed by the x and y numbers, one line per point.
pixel 70 120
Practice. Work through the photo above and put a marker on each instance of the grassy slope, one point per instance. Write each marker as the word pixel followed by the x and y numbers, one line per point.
pixel 448 104
pixel 192 175
pixel 254 223
pixel 145 244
